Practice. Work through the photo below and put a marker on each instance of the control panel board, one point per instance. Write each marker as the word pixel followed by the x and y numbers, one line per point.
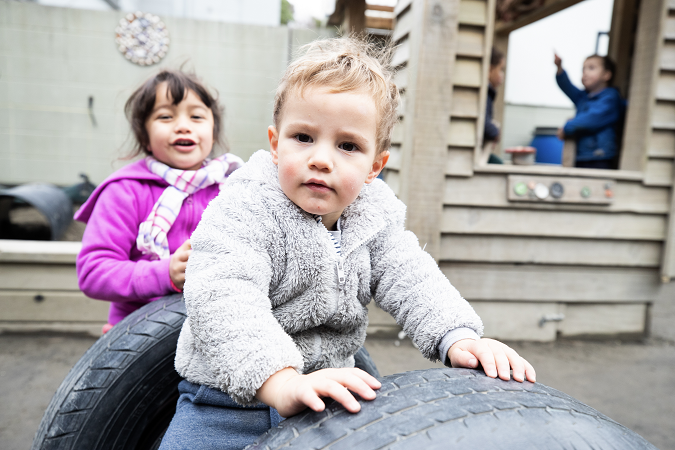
pixel 546 189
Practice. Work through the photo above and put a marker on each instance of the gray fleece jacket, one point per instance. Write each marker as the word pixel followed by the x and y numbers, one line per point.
pixel 263 290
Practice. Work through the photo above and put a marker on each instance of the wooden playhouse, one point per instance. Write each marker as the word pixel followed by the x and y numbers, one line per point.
pixel 585 263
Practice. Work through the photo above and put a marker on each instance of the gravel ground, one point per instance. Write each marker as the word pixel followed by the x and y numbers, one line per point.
pixel 633 383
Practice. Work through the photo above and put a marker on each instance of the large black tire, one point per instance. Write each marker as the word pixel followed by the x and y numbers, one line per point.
pixel 122 393
pixel 455 408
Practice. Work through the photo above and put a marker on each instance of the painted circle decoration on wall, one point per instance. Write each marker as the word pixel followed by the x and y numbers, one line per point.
pixel 142 38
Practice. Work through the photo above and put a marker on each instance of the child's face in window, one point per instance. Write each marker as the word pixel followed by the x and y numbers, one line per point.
pixel 181 136
pixel 496 74
pixel 325 148
pixel 594 75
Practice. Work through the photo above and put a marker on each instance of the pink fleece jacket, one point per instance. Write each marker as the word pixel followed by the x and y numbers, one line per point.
pixel 109 267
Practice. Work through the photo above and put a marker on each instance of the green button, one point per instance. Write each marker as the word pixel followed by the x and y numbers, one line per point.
pixel 585 192
pixel 520 189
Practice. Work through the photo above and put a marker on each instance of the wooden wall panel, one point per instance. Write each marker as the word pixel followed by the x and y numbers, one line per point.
pixel 659 172
pixel 662 144
pixel 560 251
pixel 490 190
pixel 402 105
pixel 401 5
pixel 38 276
pixel 476 221
pixel 472 12
pixel 397 133
pixel 664 115
pixel 401 78
pixel 470 41
pixel 55 306
pixel 507 282
pixel 401 53
pixel 402 27
pixel 392 177
pixel 668 56
pixel 44 252
pixel 603 319
pixel 665 87
pixel 669 30
pixel 394 157
pixel 467 73
pixel 462 133
pixel 459 162
pixel 517 320
pixel 465 103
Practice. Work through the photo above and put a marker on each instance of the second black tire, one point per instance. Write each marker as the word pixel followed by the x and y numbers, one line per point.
pixel 455 408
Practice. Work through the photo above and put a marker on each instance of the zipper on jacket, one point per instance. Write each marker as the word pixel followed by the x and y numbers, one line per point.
pixel 340 272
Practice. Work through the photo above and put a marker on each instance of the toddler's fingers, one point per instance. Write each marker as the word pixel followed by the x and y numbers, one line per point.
pixel 463 358
pixel 517 363
pixel 518 367
pixel 370 380
pixel 339 393
pixel 312 400
pixel 530 374
pixel 486 358
pixel 352 381
pixel 502 362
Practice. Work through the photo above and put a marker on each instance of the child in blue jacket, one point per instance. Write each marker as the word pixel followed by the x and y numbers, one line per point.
pixel 599 110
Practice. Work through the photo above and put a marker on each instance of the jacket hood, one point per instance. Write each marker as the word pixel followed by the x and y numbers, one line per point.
pixel 133 171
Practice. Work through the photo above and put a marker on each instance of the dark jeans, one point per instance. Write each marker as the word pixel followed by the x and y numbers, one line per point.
pixel 597 164
pixel 208 419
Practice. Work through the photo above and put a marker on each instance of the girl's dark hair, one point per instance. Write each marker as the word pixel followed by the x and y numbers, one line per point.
pixel 608 64
pixel 496 57
pixel 141 103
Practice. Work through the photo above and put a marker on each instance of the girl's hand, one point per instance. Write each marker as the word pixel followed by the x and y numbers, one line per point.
pixel 495 357
pixel 178 262
pixel 290 392
pixel 561 134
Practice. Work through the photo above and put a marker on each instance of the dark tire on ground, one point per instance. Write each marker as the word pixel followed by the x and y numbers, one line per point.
pixel 122 393
pixel 455 408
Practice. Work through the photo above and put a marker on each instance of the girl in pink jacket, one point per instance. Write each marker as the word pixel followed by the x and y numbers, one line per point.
pixel 139 220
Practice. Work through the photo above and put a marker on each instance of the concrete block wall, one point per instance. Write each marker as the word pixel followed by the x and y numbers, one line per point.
pixel 53 59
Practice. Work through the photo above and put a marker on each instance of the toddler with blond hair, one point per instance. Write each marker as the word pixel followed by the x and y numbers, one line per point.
pixel 288 256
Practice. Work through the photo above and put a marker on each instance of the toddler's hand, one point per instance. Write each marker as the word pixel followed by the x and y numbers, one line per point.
pixel 178 262
pixel 290 393
pixel 495 357
pixel 561 134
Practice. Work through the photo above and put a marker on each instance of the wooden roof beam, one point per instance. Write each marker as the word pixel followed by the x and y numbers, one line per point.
pixel 549 7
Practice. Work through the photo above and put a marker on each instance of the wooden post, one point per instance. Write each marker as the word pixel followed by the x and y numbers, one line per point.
pixel 644 75
pixel 569 154
pixel 356 16
pixel 427 117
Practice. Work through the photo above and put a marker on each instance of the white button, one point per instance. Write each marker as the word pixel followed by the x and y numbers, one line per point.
pixel 541 191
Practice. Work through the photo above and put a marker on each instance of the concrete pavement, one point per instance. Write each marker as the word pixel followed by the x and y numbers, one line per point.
pixel 631 382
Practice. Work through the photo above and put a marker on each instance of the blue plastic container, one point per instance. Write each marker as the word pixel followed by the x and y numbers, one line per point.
pixel 549 147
